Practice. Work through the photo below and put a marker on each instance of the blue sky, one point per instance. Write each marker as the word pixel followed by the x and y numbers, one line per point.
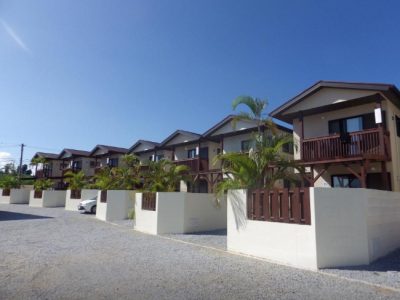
pixel 80 73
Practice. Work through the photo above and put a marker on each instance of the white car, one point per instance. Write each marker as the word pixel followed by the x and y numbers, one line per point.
pixel 88 205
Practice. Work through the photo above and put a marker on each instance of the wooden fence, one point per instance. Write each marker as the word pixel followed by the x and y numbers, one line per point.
pixel 149 201
pixel 280 205
pixel 37 194
pixel 76 194
pixel 103 196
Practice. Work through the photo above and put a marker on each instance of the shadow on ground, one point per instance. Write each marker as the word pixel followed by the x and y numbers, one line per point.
pixel 390 262
pixel 13 216
pixel 221 232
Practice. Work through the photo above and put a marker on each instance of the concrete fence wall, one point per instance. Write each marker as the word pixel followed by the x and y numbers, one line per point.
pixel 348 227
pixel 180 212
pixel 72 204
pixel 117 207
pixel 49 199
pixel 17 196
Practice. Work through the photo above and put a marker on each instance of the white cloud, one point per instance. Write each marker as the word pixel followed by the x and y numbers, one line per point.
pixel 15 36
pixel 5 158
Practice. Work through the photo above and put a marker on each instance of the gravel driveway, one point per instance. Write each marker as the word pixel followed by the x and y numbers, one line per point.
pixel 50 253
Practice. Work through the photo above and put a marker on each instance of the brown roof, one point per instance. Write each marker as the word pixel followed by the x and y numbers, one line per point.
pixel 109 149
pixel 74 152
pixel 46 155
pixel 389 90
pixel 229 119
pixel 154 144
pixel 196 136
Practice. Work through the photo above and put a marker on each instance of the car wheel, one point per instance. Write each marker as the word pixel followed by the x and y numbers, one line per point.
pixel 93 209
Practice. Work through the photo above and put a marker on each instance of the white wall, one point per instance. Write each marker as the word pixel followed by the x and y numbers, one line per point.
pixel 180 212
pixel 72 204
pixel 341 233
pixel 19 196
pixel 145 220
pixel 202 212
pixel 117 207
pixel 290 244
pixel 349 227
pixel 49 199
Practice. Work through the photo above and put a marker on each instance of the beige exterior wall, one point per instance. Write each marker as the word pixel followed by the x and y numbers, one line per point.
pixel 181 138
pixel 55 166
pixel 328 96
pixel 86 168
pixel 233 143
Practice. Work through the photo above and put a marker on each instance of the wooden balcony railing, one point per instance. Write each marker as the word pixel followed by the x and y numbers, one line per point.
pixel 194 164
pixel 44 173
pixel 372 142
pixel 285 205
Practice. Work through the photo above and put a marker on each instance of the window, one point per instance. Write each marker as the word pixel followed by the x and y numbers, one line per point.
pixel 345 181
pixel 77 165
pixel 352 124
pixel 288 148
pixel 191 153
pixel 151 158
pixel 246 145
pixel 159 157
pixel 398 126
pixel 92 164
pixel 113 162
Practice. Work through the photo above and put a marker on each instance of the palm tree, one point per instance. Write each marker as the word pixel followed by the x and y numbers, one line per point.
pixel 126 178
pixel 256 113
pixel 106 179
pixel 76 182
pixel 164 176
pixel 130 160
pixel 38 160
pixel 260 168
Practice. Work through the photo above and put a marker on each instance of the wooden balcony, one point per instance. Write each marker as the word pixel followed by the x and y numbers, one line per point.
pixel 366 144
pixel 43 173
pixel 74 170
pixel 195 165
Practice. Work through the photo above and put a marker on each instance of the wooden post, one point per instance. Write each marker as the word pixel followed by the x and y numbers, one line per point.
pixel 301 135
pixel 363 177
pixel 384 176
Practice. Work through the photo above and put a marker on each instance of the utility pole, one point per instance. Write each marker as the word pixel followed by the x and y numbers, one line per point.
pixel 20 160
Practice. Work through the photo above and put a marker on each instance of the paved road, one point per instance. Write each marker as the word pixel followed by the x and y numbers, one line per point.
pixel 54 254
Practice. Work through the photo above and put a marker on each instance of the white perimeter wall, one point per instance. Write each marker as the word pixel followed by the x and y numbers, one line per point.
pixel 181 212
pixel 290 244
pixel 348 227
pixel 72 204
pixel 117 207
pixel 49 199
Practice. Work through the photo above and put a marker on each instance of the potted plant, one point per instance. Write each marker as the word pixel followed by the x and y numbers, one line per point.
pixel 76 182
pixel 9 182
pixel 40 185
pixel 105 180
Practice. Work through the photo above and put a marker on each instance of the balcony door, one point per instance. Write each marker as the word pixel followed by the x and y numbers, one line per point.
pixel 203 154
